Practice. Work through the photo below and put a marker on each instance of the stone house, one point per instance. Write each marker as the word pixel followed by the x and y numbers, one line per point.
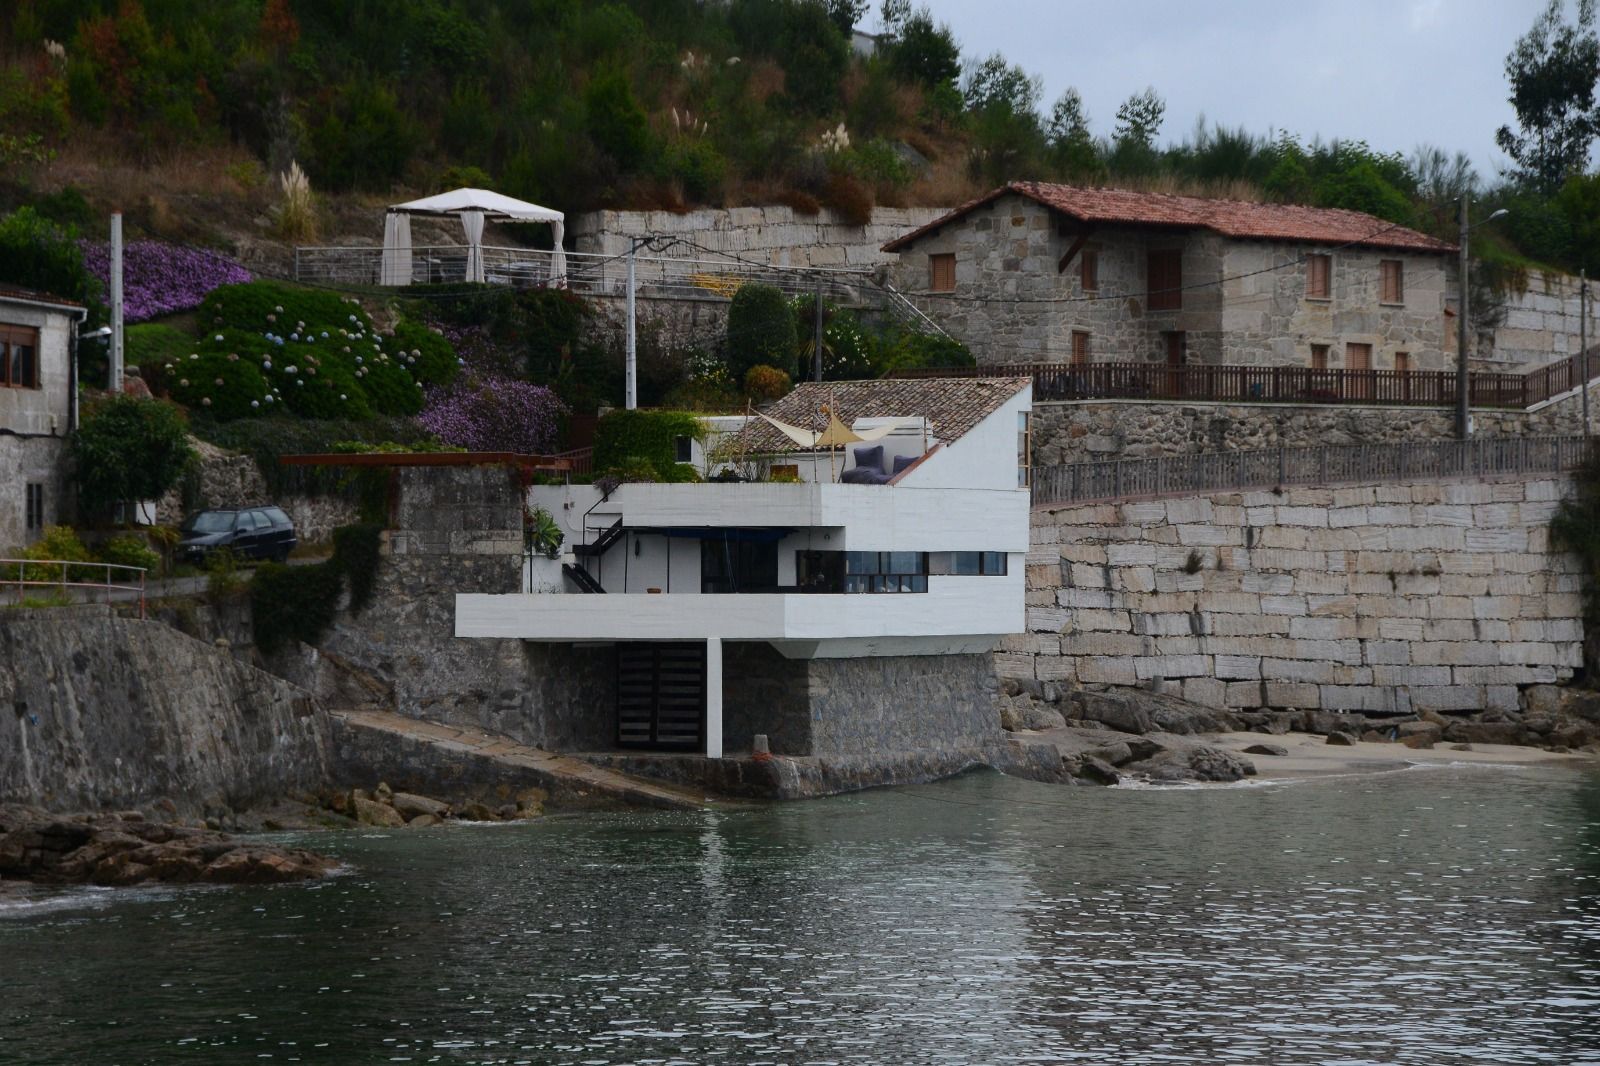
pixel 1041 273
pixel 37 386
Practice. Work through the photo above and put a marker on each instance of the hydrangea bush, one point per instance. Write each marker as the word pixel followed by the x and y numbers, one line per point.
pixel 161 279
pixel 496 414
pixel 270 348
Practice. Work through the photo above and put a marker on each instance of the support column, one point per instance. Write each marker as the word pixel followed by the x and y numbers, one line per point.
pixel 713 697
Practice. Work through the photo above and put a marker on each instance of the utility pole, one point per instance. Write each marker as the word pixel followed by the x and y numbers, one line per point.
pixel 816 340
pixel 630 366
pixel 1583 342
pixel 115 382
pixel 1463 411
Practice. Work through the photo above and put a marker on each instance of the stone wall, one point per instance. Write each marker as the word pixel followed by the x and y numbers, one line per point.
pixel 1087 430
pixel 31 461
pixel 1542 324
pixel 775 236
pixel 1381 598
pixel 457 529
pixel 103 711
pixel 225 479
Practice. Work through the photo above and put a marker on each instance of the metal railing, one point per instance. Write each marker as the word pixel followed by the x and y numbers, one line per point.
pixel 1278 384
pixel 1192 475
pixel 655 277
pixel 62 575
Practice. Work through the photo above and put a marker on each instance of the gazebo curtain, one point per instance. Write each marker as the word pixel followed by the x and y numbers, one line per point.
pixel 472 223
pixel 396 269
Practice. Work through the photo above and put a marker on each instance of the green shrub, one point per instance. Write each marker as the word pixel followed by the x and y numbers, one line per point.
pixel 225 386
pixel 363 141
pixel 130 549
pixel 761 331
pixel 293 603
pixel 699 168
pixel 390 389
pixel 327 390
pixel 426 355
pixel 60 543
pixel 265 439
pixel 270 306
pixel 356 552
pixel 128 448
pixel 153 343
pixel 644 443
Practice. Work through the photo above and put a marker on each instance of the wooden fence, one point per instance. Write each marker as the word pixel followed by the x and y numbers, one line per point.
pixel 1277 384
pixel 1193 475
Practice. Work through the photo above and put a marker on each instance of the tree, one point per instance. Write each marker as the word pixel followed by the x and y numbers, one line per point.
pixel 1552 71
pixel 995 84
pixel 846 13
pixel 617 122
pixel 761 331
pixel 1071 144
pixel 1138 122
pixel 921 50
pixel 37 254
pixel 128 448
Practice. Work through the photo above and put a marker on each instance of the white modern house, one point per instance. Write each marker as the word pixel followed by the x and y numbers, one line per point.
pixel 37 388
pixel 878 542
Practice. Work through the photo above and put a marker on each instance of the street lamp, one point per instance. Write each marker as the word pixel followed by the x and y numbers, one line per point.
pixel 1463 411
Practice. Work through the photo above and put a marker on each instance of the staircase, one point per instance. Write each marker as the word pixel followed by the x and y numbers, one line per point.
pixel 581 578
pixel 577 572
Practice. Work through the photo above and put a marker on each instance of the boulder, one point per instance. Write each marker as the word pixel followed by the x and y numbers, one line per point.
pixel 422 821
pixel 1096 770
pixel 1542 699
pixel 411 806
pixel 1485 732
pixel 476 812
pixel 1114 709
pixel 1431 730
pixel 1338 739
pixel 1266 749
pixel 371 812
pixel 1418 740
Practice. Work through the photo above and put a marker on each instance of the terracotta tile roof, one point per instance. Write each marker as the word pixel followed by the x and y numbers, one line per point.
pixel 14 292
pixel 952 406
pixel 1231 218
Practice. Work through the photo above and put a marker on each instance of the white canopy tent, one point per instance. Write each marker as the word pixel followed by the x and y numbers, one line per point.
pixel 474 206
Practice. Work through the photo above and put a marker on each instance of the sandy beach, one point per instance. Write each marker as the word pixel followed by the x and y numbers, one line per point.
pixel 1310 755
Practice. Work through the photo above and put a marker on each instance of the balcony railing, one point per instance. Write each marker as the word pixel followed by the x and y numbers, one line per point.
pixel 72 580
pixel 1279 384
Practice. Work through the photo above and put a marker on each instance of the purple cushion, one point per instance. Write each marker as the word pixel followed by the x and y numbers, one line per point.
pixel 871 458
pixel 903 461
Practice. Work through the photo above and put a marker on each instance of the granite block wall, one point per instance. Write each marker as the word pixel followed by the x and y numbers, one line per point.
pixel 1379 598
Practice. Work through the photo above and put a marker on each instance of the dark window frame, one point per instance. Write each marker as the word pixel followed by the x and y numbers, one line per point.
pixel 13 337
pixel 1164 279
pixel 1324 291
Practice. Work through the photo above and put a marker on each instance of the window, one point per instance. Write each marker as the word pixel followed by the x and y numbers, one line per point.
pixel 731 564
pixel 1176 346
pixel 35 506
pixel 1358 357
pixel 1024 449
pixel 886 571
pixel 942 272
pixel 1392 277
pixel 1319 275
pixel 1080 348
pixel 1402 362
pixel 976 564
pixel 1089 269
pixel 682 450
pixel 1319 357
pixel 19 357
pixel 1164 280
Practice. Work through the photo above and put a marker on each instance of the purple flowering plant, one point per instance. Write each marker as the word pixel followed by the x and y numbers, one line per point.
pixel 491 413
pixel 160 278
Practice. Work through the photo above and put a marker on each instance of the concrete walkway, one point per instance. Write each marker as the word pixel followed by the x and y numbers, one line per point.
pixel 436 759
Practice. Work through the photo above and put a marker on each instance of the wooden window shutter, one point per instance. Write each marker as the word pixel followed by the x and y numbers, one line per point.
pixel 1080 348
pixel 1319 276
pixel 1402 362
pixel 942 272
pixel 1358 357
pixel 1165 280
pixel 1393 282
pixel 1319 357
pixel 1089 265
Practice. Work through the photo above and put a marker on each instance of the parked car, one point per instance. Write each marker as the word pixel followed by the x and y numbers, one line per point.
pixel 249 532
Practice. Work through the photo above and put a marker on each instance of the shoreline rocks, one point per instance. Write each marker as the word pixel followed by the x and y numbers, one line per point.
pixel 125 849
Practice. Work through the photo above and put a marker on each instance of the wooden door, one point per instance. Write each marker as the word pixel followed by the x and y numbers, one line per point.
pixel 1177 358
pixel 661 695
pixel 1358 370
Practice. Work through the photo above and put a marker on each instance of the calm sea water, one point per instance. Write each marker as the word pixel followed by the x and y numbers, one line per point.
pixel 1426 916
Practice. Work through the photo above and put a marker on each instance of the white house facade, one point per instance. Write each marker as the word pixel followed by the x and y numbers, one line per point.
pixel 37 332
pixel 906 542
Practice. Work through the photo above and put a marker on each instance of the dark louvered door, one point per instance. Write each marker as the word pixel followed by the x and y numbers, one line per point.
pixel 661 696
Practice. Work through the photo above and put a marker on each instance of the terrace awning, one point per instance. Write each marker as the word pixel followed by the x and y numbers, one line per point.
pixel 475 206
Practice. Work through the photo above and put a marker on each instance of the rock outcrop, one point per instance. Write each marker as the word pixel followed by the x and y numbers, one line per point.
pixel 126 849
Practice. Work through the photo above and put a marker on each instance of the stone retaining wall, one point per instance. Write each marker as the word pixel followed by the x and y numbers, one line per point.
pixel 1541 325
pixel 225 479
pixel 1380 598
pixel 775 236
pixel 1087 430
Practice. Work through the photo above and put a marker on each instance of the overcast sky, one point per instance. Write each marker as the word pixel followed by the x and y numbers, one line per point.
pixel 1394 72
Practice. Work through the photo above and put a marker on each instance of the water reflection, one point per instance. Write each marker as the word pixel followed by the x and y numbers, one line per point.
pixel 1428 917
